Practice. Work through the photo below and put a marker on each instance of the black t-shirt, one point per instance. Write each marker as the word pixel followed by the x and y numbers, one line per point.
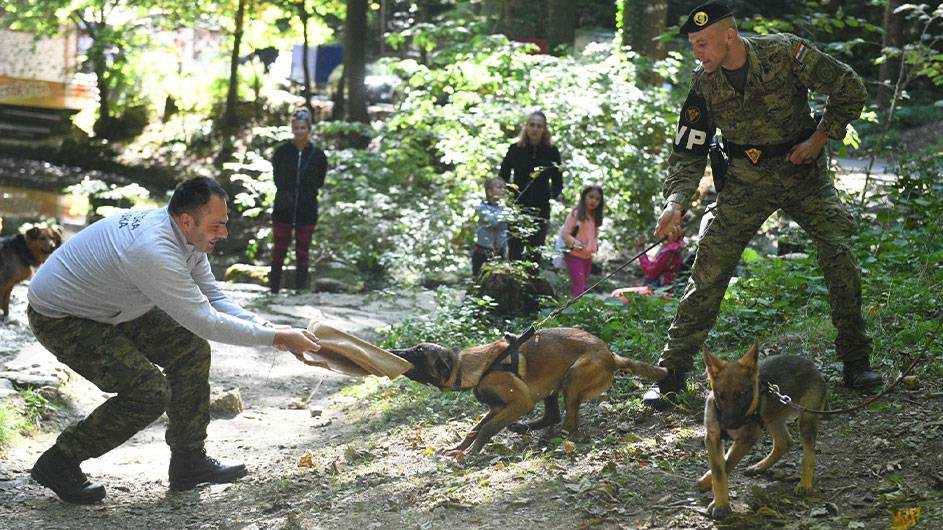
pixel 737 78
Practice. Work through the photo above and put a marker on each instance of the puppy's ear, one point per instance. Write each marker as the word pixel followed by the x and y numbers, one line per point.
pixel 712 364
pixel 750 358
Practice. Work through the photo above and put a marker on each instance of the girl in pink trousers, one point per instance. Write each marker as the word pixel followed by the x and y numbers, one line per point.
pixel 580 233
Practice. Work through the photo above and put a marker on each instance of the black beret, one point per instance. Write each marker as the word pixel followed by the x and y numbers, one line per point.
pixel 704 15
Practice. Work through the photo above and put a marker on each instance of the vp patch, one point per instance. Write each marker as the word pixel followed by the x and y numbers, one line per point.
pixel 695 127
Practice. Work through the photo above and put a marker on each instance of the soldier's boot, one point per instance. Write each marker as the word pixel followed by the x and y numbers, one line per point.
pixel 191 467
pixel 660 395
pixel 63 475
pixel 301 279
pixel 861 376
pixel 275 278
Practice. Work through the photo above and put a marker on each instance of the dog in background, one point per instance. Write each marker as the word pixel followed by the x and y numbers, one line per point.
pixel 554 361
pixel 739 406
pixel 19 254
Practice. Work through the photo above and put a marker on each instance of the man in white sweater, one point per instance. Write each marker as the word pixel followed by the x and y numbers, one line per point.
pixel 125 297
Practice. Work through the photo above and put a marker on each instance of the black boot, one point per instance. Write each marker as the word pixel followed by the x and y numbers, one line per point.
pixel 275 278
pixel 659 396
pixel 301 279
pixel 64 476
pixel 189 468
pixel 861 377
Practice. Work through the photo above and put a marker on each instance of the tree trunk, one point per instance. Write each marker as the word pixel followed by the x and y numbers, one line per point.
pixel 339 100
pixel 561 15
pixel 100 65
pixel 422 17
pixel 506 20
pixel 893 38
pixel 304 61
pixel 355 59
pixel 642 21
pixel 229 113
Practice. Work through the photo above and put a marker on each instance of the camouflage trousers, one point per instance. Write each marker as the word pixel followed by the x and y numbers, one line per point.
pixel 124 360
pixel 751 194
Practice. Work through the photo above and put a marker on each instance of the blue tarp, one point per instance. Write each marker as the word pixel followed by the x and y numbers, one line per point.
pixel 321 62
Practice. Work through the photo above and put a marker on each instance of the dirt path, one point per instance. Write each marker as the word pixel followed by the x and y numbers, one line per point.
pixel 329 452
pixel 372 458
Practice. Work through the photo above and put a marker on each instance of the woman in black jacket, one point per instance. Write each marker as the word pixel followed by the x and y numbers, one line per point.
pixel 299 168
pixel 532 166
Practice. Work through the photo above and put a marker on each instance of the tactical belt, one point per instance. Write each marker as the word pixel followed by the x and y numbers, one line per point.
pixel 755 153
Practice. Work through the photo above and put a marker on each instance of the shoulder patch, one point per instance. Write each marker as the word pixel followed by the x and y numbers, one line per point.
pixel 693 114
pixel 825 71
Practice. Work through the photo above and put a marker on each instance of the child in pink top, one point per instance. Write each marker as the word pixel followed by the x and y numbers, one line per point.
pixel 580 232
pixel 664 268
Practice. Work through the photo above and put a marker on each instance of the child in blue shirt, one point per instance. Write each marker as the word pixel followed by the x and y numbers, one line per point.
pixel 492 235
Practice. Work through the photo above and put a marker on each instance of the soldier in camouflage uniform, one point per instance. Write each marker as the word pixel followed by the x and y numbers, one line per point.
pixel 755 90
pixel 125 297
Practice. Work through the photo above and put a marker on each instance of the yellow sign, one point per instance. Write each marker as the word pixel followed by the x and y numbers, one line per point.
pixel 42 94
pixel 700 18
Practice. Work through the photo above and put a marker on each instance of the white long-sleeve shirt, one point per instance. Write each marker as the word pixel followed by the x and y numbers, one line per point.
pixel 121 267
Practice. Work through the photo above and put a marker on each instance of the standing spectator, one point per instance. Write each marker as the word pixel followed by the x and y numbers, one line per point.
pixel 491 238
pixel 580 233
pixel 299 169
pixel 532 166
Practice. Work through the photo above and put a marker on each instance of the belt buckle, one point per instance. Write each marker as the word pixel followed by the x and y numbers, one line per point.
pixel 753 154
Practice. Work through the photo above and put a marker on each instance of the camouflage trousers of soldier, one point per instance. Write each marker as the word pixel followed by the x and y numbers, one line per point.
pixel 751 194
pixel 124 360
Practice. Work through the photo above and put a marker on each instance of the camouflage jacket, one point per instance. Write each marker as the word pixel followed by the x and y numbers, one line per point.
pixel 773 109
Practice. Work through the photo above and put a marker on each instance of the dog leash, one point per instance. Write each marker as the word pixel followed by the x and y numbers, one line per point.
pixel 515 342
pixel 786 400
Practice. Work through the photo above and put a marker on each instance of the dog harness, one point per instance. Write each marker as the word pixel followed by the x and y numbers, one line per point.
pixel 512 351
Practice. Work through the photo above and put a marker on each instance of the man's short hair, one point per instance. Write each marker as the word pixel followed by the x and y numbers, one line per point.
pixel 192 195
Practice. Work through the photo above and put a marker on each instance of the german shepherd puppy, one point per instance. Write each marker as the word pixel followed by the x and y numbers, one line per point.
pixel 740 406
pixel 19 253
pixel 557 360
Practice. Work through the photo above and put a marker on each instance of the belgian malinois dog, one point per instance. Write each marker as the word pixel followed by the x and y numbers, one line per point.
pixel 557 360
pixel 740 406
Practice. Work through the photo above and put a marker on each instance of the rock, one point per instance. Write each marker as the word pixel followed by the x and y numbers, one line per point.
pixel 6 388
pixel 23 380
pixel 245 273
pixel 514 288
pixel 334 285
pixel 225 403
pixel 315 411
pixel 911 381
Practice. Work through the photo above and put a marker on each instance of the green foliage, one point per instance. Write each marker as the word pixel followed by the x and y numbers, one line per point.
pixel 901 258
pixel 460 321
pixel 37 406
pixel 418 184
pixel 11 423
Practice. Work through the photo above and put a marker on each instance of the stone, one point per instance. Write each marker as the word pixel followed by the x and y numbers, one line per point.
pixel 225 403
pixel 23 380
pixel 515 290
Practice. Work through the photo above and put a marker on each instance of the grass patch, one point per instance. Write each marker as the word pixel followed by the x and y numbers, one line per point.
pixel 12 424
